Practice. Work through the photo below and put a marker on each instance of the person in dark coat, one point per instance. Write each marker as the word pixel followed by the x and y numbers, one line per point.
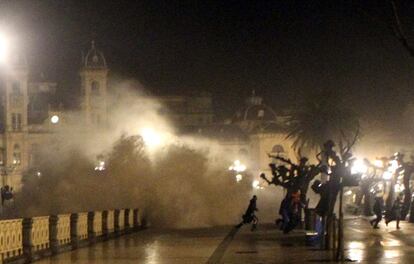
pixel 249 216
pixel 378 208
pixel 396 212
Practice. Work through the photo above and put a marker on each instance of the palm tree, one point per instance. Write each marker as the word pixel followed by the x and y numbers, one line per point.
pixel 321 116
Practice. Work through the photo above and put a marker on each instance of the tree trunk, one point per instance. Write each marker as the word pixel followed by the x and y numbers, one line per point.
pixel 340 251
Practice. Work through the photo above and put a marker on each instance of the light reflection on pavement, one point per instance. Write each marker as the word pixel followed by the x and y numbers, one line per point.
pixel 267 245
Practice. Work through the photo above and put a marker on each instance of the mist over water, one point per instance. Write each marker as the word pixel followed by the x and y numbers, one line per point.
pixel 176 182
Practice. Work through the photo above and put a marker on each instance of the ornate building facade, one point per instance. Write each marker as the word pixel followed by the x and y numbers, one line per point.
pixel 30 117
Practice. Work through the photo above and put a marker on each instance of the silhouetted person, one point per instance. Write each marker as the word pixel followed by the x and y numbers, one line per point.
pixel 249 216
pixel 396 212
pixel 378 208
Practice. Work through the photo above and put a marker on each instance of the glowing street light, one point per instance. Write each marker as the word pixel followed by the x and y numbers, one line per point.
pixel 378 163
pixel 239 177
pixel 54 119
pixel 256 185
pixel 359 166
pixel 151 138
pixel 237 166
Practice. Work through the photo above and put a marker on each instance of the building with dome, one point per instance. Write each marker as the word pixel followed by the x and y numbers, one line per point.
pixel 254 131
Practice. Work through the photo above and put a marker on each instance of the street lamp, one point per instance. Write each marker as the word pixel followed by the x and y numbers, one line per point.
pixel 54 119
pixel 150 137
pixel 238 168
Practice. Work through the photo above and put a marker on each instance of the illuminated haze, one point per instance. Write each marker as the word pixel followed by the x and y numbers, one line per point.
pixel 177 182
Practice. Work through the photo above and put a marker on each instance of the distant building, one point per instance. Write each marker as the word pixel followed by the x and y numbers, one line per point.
pixel 30 114
pixel 254 132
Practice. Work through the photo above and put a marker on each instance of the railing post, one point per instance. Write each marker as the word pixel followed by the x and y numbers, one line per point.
pixel 135 225
pixel 53 240
pixel 105 232
pixel 91 231
pixel 27 239
pixel 127 223
pixel 116 222
pixel 74 230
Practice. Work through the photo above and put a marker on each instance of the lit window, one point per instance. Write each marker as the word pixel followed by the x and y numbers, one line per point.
pixel 16 155
pixel 16 121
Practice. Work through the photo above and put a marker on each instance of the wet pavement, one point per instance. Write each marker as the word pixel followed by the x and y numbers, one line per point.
pixel 229 245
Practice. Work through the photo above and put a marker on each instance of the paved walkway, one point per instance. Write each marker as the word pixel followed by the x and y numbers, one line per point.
pixel 230 246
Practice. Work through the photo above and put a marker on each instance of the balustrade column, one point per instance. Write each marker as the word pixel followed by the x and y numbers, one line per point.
pixel 127 223
pixel 135 225
pixel 74 231
pixel 27 239
pixel 53 240
pixel 105 232
pixel 91 231
pixel 116 222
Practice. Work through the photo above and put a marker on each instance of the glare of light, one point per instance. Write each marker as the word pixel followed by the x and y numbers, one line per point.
pixel 380 186
pixel 393 165
pixel 39 174
pixel 239 177
pixel 392 253
pixel 356 250
pixel 100 166
pixel 237 166
pixel 359 166
pixel 256 184
pixel 54 119
pixel 356 245
pixel 151 137
pixel 391 243
pixel 387 175
pixel 4 47
pixel 348 192
pixel 398 188
pixel 378 163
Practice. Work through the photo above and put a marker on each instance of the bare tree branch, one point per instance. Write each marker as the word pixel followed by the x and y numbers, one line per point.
pixel 398 29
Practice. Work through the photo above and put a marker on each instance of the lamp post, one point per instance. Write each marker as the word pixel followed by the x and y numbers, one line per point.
pixel 238 168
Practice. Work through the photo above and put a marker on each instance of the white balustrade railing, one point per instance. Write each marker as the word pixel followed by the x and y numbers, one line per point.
pixel 11 241
pixel 40 233
pixel 63 229
pixel 121 219
pixel 97 223
pixel 82 226
pixel 111 221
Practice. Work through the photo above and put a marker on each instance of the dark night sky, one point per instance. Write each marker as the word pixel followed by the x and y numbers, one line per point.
pixel 229 48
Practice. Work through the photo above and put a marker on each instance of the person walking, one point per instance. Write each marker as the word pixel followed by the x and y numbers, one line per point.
pixel 249 216
pixel 378 208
